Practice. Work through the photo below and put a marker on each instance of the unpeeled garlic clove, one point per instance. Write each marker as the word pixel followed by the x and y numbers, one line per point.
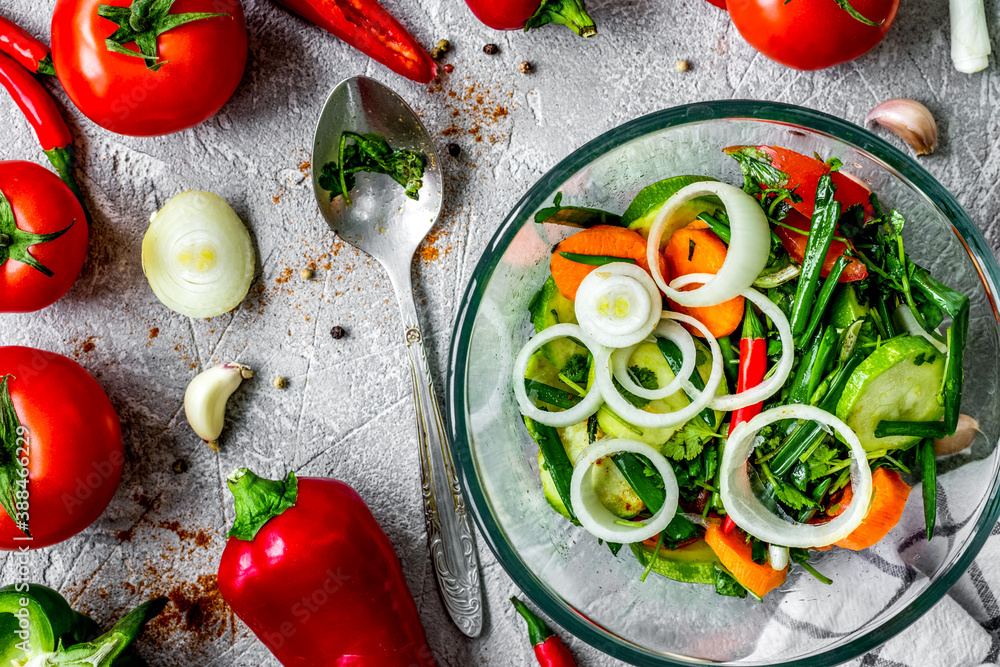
pixel 965 434
pixel 206 396
pixel 908 119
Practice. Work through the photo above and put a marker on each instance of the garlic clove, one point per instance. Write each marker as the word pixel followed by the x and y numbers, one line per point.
pixel 965 434
pixel 908 119
pixel 206 396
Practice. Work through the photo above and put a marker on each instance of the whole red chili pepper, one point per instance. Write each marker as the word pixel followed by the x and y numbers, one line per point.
pixel 368 27
pixel 308 568
pixel 528 14
pixel 549 649
pixel 25 49
pixel 753 367
pixel 38 107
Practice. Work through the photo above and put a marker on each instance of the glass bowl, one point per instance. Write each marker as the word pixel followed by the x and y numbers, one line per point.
pixel 598 597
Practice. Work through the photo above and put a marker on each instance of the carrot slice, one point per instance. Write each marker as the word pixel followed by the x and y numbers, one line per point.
pixel 602 240
pixel 694 250
pixel 889 497
pixel 735 554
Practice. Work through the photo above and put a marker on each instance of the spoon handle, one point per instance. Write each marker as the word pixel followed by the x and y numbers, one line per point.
pixel 449 528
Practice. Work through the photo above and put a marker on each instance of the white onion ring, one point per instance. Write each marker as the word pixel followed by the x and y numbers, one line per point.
pixel 777 557
pixel 773 384
pixel 595 517
pixel 603 288
pixel 590 403
pixel 679 336
pixel 641 418
pixel 749 512
pixel 751 239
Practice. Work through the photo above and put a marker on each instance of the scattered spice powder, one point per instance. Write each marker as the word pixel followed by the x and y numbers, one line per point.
pixel 285 276
pixel 154 332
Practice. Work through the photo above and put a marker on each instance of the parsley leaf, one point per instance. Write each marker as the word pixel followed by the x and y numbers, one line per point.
pixel 371 153
pixel 687 443
pixel 726 585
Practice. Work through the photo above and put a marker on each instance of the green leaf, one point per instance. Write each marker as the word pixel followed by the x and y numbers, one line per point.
pixel 687 443
pixel 371 153
pixel 575 216
pixel 259 500
pixel 789 495
pixel 856 15
pixel 142 23
pixel 726 584
pixel 15 242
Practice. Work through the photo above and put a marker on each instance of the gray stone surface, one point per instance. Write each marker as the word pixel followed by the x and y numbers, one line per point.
pixel 347 411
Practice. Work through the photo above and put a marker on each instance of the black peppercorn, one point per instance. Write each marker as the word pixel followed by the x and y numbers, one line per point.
pixel 491 49
pixel 454 150
pixel 338 332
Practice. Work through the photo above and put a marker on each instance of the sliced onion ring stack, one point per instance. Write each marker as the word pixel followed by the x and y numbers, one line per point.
pixel 773 383
pixel 641 418
pixel 751 237
pixel 595 517
pixel 590 403
pixel 618 304
pixel 749 512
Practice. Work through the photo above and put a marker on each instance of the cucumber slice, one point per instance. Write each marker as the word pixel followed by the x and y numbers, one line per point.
pixel 547 309
pixel 846 308
pixel 610 485
pixel 648 355
pixel 693 564
pixel 898 382
pixel 642 211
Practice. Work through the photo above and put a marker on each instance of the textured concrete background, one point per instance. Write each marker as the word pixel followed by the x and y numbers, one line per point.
pixel 347 412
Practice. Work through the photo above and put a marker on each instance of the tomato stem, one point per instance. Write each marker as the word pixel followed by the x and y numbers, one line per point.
pixel 12 473
pixel 570 13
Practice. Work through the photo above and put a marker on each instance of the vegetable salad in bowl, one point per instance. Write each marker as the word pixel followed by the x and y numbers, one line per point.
pixel 728 379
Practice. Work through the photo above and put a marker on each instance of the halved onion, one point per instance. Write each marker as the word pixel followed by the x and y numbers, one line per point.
pixel 772 384
pixel 595 517
pixel 590 403
pixel 673 332
pixel 751 243
pixel 641 418
pixel 749 512
pixel 618 304
pixel 197 255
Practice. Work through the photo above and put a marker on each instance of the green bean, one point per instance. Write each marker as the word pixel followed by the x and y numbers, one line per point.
pixel 594 260
pixel 730 359
pixel 824 221
pixel 556 460
pixel 720 228
pixel 634 472
pixel 550 395
pixel 886 429
pixel 928 476
pixel 823 300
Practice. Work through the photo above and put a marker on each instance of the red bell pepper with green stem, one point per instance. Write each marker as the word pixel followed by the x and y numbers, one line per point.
pixel 753 368
pixel 42 114
pixel 528 14
pixel 308 568
pixel 549 649
pixel 25 49
pixel 368 27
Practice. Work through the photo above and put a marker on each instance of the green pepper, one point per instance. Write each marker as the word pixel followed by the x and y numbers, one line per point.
pixel 48 618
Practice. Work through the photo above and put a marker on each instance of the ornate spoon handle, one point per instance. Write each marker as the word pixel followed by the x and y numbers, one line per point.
pixel 449 531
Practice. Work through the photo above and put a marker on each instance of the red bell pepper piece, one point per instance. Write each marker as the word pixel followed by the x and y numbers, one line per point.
pixel 25 49
pixel 795 244
pixel 42 114
pixel 368 27
pixel 753 368
pixel 549 649
pixel 310 571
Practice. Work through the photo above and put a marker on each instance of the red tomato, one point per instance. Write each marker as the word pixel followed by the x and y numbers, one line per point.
pixel 795 244
pixel 721 4
pixel 511 15
pixel 811 34
pixel 42 204
pixel 204 64
pixel 804 173
pixel 74 446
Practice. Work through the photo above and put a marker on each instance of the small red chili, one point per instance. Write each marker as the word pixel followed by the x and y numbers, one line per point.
pixel 549 649
pixel 25 49
pixel 42 114
pixel 753 367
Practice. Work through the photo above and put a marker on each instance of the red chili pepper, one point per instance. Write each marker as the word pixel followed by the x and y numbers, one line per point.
pixel 308 568
pixel 549 649
pixel 368 27
pixel 25 49
pixel 753 367
pixel 39 108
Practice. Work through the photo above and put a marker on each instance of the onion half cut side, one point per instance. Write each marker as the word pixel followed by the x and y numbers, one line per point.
pixel 595 517
pixel 776 380
pixel 641 418
pixel 618 304
pixel 586 407
pixel 749 512
pixel 751 239
pixel 673 332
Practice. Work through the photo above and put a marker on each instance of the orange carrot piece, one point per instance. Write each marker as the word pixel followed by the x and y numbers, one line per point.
pixel 735 554
pixel 888 499
pixel 600 240
pixel 694 250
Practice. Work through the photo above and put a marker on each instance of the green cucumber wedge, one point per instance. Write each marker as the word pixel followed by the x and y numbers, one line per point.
pixel 693 564
pixel 898 382
pixel 642 211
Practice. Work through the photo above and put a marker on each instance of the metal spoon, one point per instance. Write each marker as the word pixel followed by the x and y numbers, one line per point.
pixel 389 226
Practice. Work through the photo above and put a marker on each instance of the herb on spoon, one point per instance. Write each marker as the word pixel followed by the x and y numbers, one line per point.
pixel 371 153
